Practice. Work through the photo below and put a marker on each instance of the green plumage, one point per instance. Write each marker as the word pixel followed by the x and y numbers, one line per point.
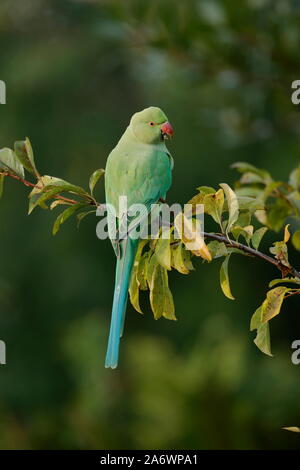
pixel 140 168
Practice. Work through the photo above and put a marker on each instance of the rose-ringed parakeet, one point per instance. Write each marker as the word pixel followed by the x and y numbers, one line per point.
pixel 140 168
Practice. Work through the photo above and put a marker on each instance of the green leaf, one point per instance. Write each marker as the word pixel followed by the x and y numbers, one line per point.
pixel 256 319
pixel 152 262
pixel 244 167
pixel 233 206
pixel 37 199
pixel 296 239
pixel 294 199
pixel 273 302
pixel 163 250
pixel 95 178
pixel 249 191
pixel 82 215
pixel 50 186
pixel 277 214
pixel 250 203
pixel 244 219
pixel 10 163
pixel 257 237
pixel 217 249
pixel 294 179
pixel 1 184
pixel 65 215
pixel 51 183
pixel 249 178
pixel 224 279
pixel 206 190
pixel 24 153
pixel 34 196
pixel 262 339
pixel 161 298
pixel 178 260
pixel 141 274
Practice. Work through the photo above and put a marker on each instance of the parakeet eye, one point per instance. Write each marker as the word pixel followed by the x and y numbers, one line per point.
pixel 151 123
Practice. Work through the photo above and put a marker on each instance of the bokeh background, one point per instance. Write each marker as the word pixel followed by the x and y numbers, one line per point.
pixel 75 72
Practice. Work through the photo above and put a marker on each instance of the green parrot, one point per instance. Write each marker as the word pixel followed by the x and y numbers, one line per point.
pixel 139 168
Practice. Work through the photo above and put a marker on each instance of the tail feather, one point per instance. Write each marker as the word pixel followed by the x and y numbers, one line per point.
pixel 123 273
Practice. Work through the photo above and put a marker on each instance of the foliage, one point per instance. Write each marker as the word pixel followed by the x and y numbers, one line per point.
pixel 257 199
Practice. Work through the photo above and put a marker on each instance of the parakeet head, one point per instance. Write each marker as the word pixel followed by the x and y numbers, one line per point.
pixel 151 125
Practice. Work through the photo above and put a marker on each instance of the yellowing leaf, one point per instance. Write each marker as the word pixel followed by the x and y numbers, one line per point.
pixel 224 279
pixel 289 280
pixel 292 428
pixel 281 253
pixel 134 283
pixel 213 205
pixel 58 202
pixel 286 233
pixel 273 302
pixel 134 293
pixel 189 232
pixel 246 232
pixel 206 189
pixel 233 205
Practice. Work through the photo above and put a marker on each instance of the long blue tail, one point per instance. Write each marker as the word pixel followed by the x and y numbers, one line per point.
pixel 123 271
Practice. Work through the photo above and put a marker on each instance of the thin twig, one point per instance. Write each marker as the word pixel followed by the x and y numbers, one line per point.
pixel 16 177
pixel 296 292
pixel 66 199
pixel 252 252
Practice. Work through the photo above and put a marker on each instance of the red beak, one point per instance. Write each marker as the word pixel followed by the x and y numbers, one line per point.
pixel 167 129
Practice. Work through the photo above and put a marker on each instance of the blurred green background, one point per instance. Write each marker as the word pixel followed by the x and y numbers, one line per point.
pixel 75 72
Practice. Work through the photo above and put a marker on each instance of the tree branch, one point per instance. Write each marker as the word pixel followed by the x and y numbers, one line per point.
pixel 214 236
pixel 32 185
pixel 18 178
pixel 252 252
